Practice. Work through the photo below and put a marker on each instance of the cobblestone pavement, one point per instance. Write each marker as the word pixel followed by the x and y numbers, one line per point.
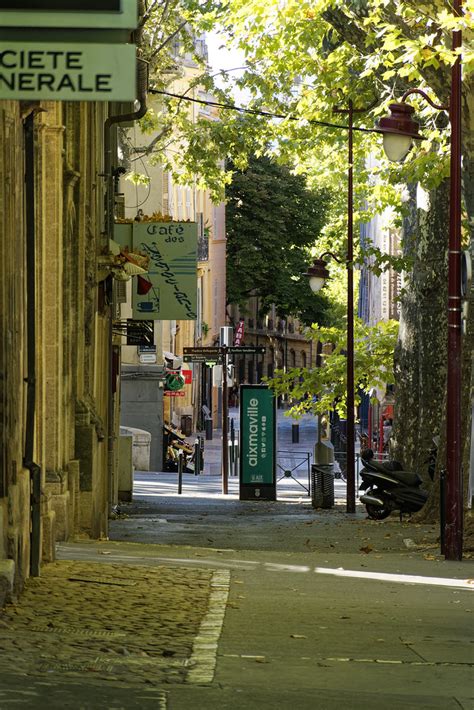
pixel 106 624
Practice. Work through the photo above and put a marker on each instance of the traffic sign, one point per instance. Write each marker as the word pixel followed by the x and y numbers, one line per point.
pixel 246 350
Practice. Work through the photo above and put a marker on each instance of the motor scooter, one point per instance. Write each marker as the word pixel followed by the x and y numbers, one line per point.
pixel 388 488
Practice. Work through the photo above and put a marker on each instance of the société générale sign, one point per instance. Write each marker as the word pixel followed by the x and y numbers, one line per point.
pixel 53 71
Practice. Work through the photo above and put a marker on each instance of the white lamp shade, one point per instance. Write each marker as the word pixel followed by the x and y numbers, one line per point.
pixel 396 146
pixel 316 283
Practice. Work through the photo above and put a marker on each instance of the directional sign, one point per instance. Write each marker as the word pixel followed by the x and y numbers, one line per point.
pixel 203 359
pixel 203 352
pixel 246 350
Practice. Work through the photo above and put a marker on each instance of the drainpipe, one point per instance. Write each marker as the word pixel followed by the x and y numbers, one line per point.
pixel 142 86
pixel 34 468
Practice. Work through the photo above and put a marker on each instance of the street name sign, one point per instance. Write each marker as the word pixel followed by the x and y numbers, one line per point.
pixel 257 443
pixel 204 350
pixel 55 71
pixel 246 350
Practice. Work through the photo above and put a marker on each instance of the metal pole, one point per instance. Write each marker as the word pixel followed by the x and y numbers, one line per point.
pixel 180 472
pixel 350 433
pixel 454 488
pixel 351 498
pixel 225 417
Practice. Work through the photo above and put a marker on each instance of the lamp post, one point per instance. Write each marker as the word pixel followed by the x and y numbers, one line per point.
pixel 399 129
pixel 316 282
pixel 318 275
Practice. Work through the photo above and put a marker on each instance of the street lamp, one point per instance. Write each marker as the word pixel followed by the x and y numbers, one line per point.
pixel 399 129
pixel 318 274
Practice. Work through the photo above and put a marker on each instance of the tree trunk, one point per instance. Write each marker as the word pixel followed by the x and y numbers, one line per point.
pixel 420 358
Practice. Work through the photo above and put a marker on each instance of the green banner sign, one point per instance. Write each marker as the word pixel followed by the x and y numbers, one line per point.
pixel 54 71
pixel 169 290
pixel 258 442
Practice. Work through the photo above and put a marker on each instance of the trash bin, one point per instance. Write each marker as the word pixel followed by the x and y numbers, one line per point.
pixel 322 485
pixel 187 424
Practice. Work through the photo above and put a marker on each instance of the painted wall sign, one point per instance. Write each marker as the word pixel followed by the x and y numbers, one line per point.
pixel 70 14
pixel 172 248
pixel 258 443
pixel 55 71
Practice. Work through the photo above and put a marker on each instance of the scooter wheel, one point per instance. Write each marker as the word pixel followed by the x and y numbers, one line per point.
pixel 376 513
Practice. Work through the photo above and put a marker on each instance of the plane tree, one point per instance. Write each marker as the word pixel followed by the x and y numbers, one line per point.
pixel 272 222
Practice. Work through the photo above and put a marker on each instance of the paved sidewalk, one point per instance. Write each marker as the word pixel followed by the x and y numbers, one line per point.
pixel 83 625
pixel 200 601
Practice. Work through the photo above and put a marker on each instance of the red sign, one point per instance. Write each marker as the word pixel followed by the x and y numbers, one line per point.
pixel 188 376
pixel 172 393
pixel 239 333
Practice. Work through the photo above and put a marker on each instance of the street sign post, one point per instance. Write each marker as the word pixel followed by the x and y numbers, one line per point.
pixel 220 355
pixel 257 443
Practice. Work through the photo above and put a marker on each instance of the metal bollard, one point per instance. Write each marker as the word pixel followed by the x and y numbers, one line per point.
pixel 295 433
pixel 197 456
pixel 236 458
pixel 442 508
pixel 180 472
pixel 201 459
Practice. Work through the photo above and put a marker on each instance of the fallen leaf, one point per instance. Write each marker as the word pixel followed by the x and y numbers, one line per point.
pixel 429 557
pixel 366 549
pixel 104 552
pixel 297 636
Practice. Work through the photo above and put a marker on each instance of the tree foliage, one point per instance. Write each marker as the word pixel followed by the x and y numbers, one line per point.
pixel 273 221
pixel 306 60
pixel 373 367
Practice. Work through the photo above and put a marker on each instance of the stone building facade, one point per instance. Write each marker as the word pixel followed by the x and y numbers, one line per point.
pixel 57 462
pixel 285 342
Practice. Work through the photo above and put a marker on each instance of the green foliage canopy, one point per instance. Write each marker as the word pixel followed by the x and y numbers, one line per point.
pixel 373 367
pixel 273 220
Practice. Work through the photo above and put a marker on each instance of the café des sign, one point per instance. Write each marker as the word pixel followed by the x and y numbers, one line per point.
pixel 67 50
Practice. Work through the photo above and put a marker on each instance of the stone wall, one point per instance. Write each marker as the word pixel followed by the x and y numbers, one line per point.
pixel 72 339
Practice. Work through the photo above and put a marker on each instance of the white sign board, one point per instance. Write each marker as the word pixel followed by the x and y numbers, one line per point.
pixel 54 71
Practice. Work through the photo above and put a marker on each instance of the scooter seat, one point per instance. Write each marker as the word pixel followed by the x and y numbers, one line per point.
pixel 406 477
